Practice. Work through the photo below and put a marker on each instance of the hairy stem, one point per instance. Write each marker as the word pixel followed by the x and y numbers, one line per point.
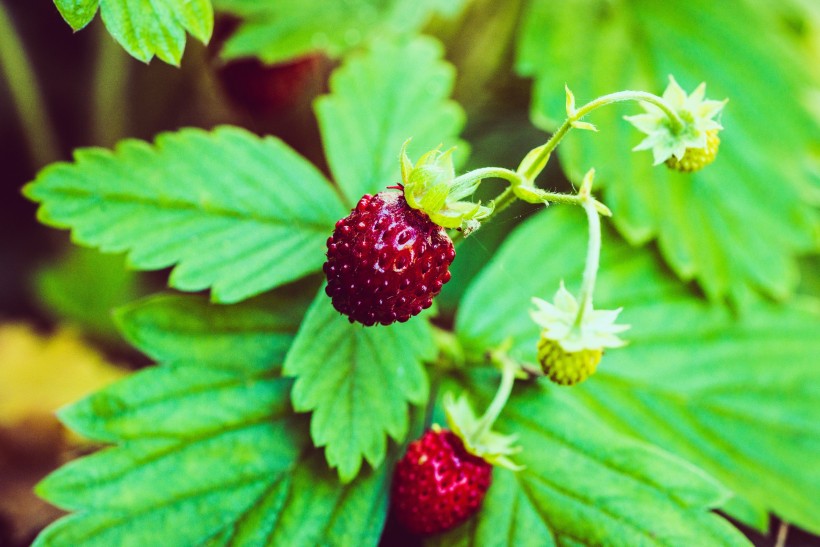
pixel 593 255
pixel 508 372
pixel 536 166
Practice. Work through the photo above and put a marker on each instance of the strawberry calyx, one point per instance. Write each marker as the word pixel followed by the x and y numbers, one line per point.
pixel 695 137
pixel 430 185
pixel 476 432
pixel 558 320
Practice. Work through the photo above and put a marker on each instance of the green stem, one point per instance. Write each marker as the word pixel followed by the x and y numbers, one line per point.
pixel 15 66
pixel 639 96
pixel 477 175
pixel 593 256
pixel 508 372
pixel 536 166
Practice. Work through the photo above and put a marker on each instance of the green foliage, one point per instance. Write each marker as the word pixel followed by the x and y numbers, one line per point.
pixel 84 287
pixel 145 27
pixel 583 482
pixel 241 230
pixel 379 99
pixel 736 226
pixel 342 372
pixel 205 456
pixel 182 328
pixel 286 29
pixel 77 13
pixel 706 408
pixel 736 396
pixel 208 448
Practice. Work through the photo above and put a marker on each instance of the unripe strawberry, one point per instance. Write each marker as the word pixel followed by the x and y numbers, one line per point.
pixel 438 484
pixel 386 261
pixel 564 367
pixel 695 159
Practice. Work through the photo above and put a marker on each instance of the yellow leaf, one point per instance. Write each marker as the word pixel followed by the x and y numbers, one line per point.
pixel 40 373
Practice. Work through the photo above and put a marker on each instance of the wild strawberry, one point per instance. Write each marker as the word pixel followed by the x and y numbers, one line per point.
pixel 688 141
pixel 570 347
pixel 695 159
pixel 564 367
pixel 438 484
pixel 386 261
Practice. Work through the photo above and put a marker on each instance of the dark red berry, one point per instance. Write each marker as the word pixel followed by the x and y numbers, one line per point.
pixel 386 261
pixel 438 485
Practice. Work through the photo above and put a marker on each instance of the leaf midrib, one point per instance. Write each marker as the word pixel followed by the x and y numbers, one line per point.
pixel 180 205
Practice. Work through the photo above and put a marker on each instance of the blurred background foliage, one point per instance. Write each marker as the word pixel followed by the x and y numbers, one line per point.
pixel 755 212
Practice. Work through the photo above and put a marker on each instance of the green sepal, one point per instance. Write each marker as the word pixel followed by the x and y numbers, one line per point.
pixel 695 111
pixel 584 125
pixel 558 321
pixel 431 186
pixel 489 445
pixel 531 162
pixel 570 102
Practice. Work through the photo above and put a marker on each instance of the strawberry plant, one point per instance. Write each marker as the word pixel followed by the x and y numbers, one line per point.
pixel 381 335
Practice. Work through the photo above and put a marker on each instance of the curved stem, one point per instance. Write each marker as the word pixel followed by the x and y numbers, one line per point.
pixel 15 66
pixel 593 256
pixel 508 373
pixel 477 175
pixel 640 96
pixel 536 166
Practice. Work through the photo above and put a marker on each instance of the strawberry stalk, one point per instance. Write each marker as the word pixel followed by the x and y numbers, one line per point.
pixel 509 371
pixel 593 249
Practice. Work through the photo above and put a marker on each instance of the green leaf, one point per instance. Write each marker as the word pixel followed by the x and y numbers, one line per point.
pixel 586 484
pixel 77 13
pixel 185 329
pixel 379 99
pixel 145 27
pixel 736 396
pixel 285 29
pixel 205 456
pixel 735 226
pixel 234 212
pixel 358 382
pixel 84 287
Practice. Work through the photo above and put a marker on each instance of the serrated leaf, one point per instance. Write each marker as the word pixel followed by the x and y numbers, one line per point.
pixel 702 221
pixel 379 99
pixel 280 31
pixel 157 27
pixel 234 212
pixel 145 28
pixel 189 329
pixel 736 396
pixel 206 456
pixel 77 13
pixel 586 484
pixel 358 382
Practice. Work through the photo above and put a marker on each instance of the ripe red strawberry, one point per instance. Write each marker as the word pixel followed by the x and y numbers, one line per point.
pixel 386 261
pixel 438 484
